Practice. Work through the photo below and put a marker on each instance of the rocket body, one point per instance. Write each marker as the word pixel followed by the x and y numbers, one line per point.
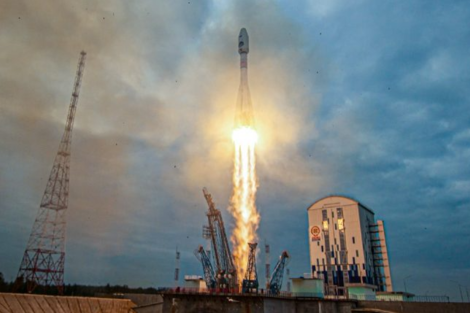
pixel 244 110
pixel 244 136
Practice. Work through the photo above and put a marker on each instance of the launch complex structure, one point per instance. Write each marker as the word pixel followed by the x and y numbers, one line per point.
pixel 236 269
pixel 223 276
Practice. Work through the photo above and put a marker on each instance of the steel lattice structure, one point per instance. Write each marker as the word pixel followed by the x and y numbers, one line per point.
pixel 275 284
pixel 209 276
pixel 225 268
pixel 44 257
pixel 250 283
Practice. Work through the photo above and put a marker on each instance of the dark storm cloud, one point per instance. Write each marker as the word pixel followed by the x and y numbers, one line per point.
pixel 368 99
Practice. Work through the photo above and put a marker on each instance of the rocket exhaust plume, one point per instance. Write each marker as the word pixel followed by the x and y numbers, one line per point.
pixel 245 137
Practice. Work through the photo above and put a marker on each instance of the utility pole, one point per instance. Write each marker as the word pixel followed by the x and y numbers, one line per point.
pixel 177 268
pixel 404 281
pixel 460 289
pixel 268 264
pixel 44 257
pixel 288 279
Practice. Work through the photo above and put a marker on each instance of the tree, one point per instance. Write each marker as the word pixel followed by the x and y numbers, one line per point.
pixel 4 286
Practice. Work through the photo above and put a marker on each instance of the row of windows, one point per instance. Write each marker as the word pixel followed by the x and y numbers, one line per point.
pixel 353 240
pixel 350 266
pixel 333 256
pixel 340 212
pixel 337 249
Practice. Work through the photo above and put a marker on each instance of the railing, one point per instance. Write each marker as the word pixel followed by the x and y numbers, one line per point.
pixel 286 294
pixel 431 299
pixel 398 297
pixel 236 291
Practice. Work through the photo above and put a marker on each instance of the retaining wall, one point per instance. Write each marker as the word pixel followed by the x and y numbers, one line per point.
pixel 26 303
pixel 415 307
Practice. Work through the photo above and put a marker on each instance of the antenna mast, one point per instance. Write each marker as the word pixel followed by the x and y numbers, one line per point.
pixel 44 257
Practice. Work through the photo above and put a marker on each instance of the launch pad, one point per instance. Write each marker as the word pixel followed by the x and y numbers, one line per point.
pixel 223 276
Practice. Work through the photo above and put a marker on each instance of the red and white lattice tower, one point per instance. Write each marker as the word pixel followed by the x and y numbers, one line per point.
pixel 43 259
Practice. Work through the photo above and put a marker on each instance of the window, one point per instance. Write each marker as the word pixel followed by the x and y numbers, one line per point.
pixel 321 248
pixel 332 254
pixel 335 240
pixel 336 227
pixel 354 260
pixel 354 240
pixel 323 261
pixel 332 214
pixel 364 266
pixel 340 212
pixel 341 224
pixel 318 243
pixel 332 248
pixel 357 253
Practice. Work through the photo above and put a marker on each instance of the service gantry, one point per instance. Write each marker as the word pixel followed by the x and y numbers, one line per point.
pixel 226 274
pixel 250 283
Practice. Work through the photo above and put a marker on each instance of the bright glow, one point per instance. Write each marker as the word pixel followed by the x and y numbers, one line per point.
pixel 243 205
pixel 340 224
pixel 245 135
pixel 325 225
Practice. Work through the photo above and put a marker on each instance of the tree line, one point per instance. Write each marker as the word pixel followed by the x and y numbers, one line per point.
pixel 78 290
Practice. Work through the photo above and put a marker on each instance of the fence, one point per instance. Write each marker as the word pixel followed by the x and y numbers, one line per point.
pixel 400 297
pixel 227 291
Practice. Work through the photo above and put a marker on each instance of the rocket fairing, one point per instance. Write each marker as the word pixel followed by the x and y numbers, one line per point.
pixel 243 42
pixel 244 110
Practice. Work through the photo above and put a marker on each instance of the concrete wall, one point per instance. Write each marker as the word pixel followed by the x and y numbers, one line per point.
pixel 322 306
pixel 150 308
pixel 415 307
pixel 180 303
pixel 143 299
pixel 146 303
pixel 185 303
pixel 278 305
pixel 19 303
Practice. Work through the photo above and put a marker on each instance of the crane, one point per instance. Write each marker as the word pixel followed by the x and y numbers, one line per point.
pixel 209 276
pixel 275 284
pixel 250 283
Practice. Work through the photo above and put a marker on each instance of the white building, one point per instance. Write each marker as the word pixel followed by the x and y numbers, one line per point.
pixel 347 246
pixel 194 282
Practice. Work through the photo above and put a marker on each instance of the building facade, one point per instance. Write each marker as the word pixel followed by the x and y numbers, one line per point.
pixel 347 245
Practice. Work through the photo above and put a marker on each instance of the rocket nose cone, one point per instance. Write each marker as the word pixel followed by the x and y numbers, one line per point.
pixel 243 43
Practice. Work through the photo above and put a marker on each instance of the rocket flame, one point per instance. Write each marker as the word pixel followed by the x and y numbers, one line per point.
pixel 243 204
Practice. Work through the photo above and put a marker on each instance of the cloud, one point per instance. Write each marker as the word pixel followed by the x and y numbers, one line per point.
pixel 367 99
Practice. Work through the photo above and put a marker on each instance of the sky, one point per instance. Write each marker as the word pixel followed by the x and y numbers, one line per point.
pixel 367 99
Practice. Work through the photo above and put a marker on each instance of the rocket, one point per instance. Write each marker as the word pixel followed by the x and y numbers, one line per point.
pixel 244 110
